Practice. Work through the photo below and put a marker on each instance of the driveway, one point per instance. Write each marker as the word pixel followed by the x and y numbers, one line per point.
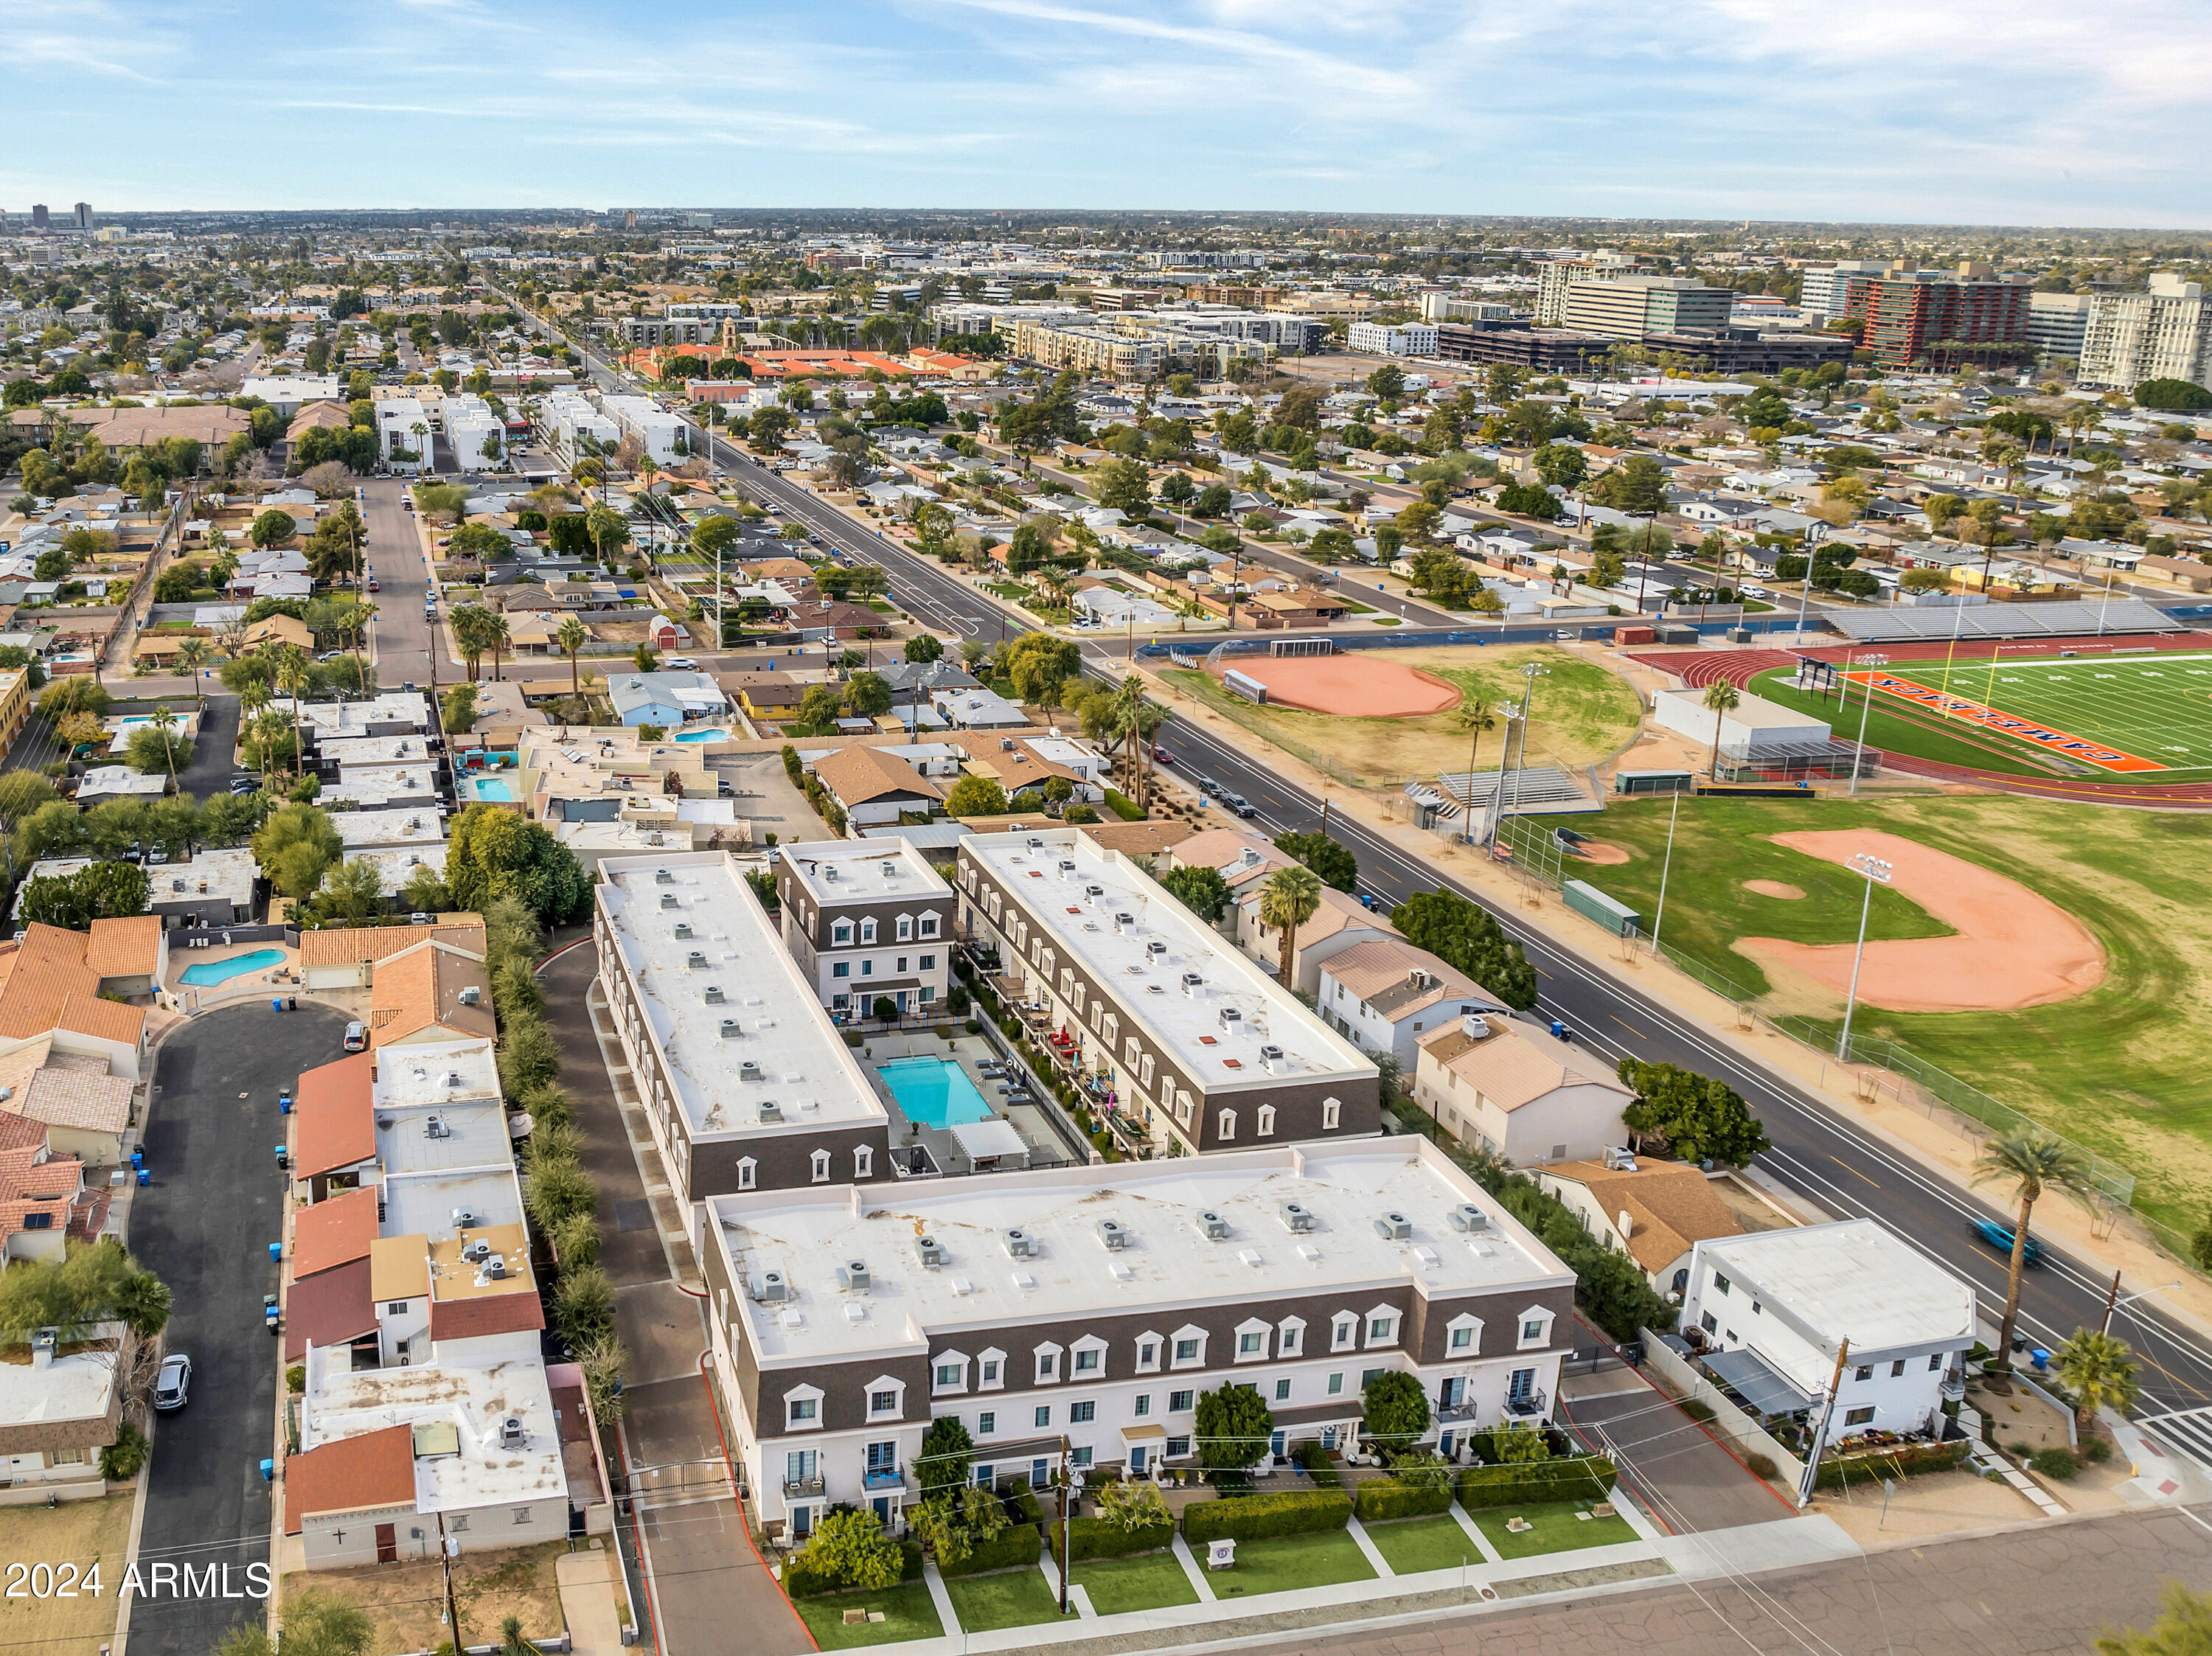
pixel 204 1226
pixel 1676 1468
pixel 211 769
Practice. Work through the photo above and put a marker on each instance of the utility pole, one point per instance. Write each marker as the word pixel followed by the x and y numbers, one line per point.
pixel 447 1547
pixel 1820 1432
pixel 2111 1304
pixel 1066 1549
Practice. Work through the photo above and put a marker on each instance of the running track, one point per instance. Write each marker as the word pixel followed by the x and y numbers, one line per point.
pixel 1698 668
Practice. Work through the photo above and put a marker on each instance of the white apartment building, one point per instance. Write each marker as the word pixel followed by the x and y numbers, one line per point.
pixel 1779 1304
pixel 1098 1303
pixel 1556 276
pixel 1457 307
pixel 866 921
pixel 660 431
pixel 2163 333
pixel 402 428
pixel 1401 339
pixel 469 424
pixel 569 415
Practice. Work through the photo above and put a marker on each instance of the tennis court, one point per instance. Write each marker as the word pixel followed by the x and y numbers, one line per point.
pixel 2112 715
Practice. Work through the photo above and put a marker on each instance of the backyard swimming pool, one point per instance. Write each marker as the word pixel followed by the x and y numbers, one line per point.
pixel 211 972
pixel 490 787
pixel 703 735
pixel 934 1092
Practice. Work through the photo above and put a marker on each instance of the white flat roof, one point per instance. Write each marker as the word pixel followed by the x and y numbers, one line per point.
pixel 423 1204
pixel 415 825
pixel 1854 1280
pixel 411 1075
pixel 371 785
pixel 1075 890
pixel 443 1138
pixel 397 863
pixel 800 1061
pixel 373 750
pixel 883 870
pixel 1165 1261
pixel 228 872
pixel 75 1387
pixel 476 1398
pixel 352 717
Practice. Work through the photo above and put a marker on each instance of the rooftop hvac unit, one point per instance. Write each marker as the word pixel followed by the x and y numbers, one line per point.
pixel 433 1128
pixel 929 1251
pixel 889 870
pixel 770 1110
pixel 470 995
pixel 1468 1217
pixel 1212 1226
pixel 1231 1019
pixel 1155 949
pixel 713 994
pixel 453 1078
pixel 852 1276
pixel 683 930
pixel 495 1267
pixel 1476 1026
pixel 1018 1245
pixel 662 877
pixel 1192 983
pixel 731 1028
pixel 656 838
pixel 1296 1215
pixel 1619 1158
pixel 668 900
pixel 749 1073
pixel 1066 868
pixel 477 1252
pixel 1125 922
pixel 830 872
pixel 1111 1233
pixel 511 1434
pixel 1006 745
pixel 1035 844
pixel 464 1220
pixel 176 885
pixel 1271 1059
pixel 1394 1227
pixel 770 1288
pixel 697 957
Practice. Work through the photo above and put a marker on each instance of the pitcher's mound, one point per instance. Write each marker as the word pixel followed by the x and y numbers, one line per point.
pixel 1350 686
pixel 1596 851
pixel 1773 888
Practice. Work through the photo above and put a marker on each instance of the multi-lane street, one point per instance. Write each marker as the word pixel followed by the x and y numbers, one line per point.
pixel 1818 1150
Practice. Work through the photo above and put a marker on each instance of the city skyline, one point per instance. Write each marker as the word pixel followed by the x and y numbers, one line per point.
pixel 2041 115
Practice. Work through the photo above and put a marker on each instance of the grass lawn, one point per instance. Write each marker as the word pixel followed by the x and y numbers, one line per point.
pixel 1152 1580
pixel 1293 1561
pixel 1584 711
pixel 85 1533
pixel 1007 1598
pixel 1414 1544
pixel 907 1610
pixel 1556 1529
pixel 2119 1069
pixel 404 1601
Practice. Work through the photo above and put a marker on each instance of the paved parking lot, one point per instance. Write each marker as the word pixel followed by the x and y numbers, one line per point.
pixel 1672 1465
pixel 204 1226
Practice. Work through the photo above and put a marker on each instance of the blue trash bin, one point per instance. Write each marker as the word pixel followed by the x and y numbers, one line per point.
pixel 268 1470
pixel 139 1156
pixel 284 1103
pixel 276 1251
pixel 145 1176
pixel 277 1004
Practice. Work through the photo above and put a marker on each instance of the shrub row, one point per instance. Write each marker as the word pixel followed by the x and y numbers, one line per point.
pixel 1024 1497
pixel 1259 1516
pixel 1890 1463
pixel 1537 1480
pixel 1014 1547
pixel 1094 1538
pixel 1318 1464
pixel 1383 1498
pixel 801 1582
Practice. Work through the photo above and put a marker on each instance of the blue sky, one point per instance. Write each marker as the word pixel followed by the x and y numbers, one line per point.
pixel 2028 112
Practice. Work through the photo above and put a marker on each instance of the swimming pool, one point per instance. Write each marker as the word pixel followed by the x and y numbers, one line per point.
pixel 490 787
pixel 934 1092
pixel 703 735
pixel 208 971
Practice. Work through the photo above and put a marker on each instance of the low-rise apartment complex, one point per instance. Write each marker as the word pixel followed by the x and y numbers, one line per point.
pixel 866 922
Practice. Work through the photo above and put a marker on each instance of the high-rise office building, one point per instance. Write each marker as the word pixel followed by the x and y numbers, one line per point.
pixel 1558 275
pixel 2057 324
pixel 1826 287
pixel 84 218
pixel 1631 306
pixel 1940 320
pixel 2164 333
pixel 39 220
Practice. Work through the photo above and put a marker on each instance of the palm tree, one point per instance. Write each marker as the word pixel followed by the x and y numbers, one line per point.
pixel 165 722
pixel 1724 698
pixel 2031 1160
pixel 572 638
pixel 291 677
pixel 192 655
pixel 1476 715
pixel 254 701
pixel 1291 897
pixel 356 623
pixel 2099 1371
pixel 469 635
pixel 496 636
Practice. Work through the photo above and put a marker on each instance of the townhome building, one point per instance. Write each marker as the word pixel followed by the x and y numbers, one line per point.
pixel 1382 994
pixel 1151 1008
pixel 747 1083
pixel 1089 1308
pixel 866 922
pixel 1490 1079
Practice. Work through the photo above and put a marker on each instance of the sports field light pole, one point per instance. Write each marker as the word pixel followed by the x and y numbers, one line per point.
pixel 1866 705
pixel 1876 872
pixel 1659 915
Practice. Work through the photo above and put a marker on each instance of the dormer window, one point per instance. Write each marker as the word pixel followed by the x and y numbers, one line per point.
pixel 841 934
pixel 867 930
pixel 905 929
pixel 929 925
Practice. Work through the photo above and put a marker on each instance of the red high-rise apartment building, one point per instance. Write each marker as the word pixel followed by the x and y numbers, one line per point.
pixel 1941 319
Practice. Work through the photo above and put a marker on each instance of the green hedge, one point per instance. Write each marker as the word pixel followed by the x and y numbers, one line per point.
pixel 1890 1463
pixel 1025 1498
pixel 1094 1538
pixel 1383 1498
pixel 1537 1480
pixel 1127 809
pixel 1255 1517
pixel 1014 1547
pixel 1318 1465
pixel 800 1582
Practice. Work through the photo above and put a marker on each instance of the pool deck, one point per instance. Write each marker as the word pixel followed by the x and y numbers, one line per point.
pixel 281 977
pixel 970 1053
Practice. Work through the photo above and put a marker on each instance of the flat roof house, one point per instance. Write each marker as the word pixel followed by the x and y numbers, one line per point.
pixel 1099 1302
pixel 1148 1009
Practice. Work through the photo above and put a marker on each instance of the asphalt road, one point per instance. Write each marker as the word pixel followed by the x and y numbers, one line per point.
pixel 204 1226
pixel 393 551
pixel 1818 1150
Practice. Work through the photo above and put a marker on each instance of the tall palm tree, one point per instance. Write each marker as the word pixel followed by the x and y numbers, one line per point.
pixel 356 624
pixel 496 636
pixel 469 635
pixel 2099 1370
pixel 1291 897
pixel 1476 715
pixel 572 638
pixel 2031 1160
pixel 192 655
pixel 165 722
pixel 291 677
pixel 254 701
pixel 1723 699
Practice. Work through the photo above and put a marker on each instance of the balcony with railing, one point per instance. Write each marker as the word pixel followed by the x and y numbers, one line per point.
pixel 1529 1406
pixel 877 1479
pixel 793 1487
pixel 1455 1414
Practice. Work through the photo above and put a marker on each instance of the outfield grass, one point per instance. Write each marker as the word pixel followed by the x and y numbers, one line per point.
pixel 1152 1580
pixel 1008 1598
pixel 1293 1561
pixel 1556 1529
pixel 907 1609
pixel 1414 1544
pixel 2119 1069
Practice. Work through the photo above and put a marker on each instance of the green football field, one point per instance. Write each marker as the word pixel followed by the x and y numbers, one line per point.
pixel 2144 717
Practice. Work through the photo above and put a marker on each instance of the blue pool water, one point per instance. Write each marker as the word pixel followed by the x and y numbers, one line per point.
pixel 207 972
pixel 934 1092
pixel 490 787
pixel 703 735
